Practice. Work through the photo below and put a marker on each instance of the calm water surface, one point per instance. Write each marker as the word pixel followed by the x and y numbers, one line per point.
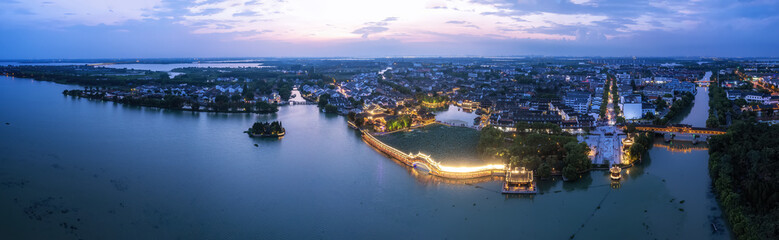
pixel 77 168
pixel 700 109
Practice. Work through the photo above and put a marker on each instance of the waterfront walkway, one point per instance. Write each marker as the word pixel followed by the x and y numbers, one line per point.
pixel 421 160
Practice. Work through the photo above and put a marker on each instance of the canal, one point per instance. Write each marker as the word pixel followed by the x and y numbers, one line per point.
pixel 699 111
pixel 86 169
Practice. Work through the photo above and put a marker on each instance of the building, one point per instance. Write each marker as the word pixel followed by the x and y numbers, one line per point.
pixel 631 105
pixel 578 100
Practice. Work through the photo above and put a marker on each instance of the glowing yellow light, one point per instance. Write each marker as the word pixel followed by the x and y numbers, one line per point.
pixel 472 169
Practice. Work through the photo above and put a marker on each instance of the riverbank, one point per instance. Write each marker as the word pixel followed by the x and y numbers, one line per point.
pixel 171 102
pixel 186 170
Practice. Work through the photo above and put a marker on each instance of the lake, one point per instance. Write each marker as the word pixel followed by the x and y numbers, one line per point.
pixel 75 168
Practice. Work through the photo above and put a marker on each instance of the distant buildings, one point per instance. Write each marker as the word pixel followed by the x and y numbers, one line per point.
pixel 632 107
pixel 579 101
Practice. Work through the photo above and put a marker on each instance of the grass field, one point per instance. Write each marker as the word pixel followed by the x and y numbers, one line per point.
pixel 454 146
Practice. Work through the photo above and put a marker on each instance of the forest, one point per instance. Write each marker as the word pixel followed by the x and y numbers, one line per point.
pixel 744 167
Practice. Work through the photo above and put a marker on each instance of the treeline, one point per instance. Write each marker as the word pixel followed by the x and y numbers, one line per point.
pixel 642 142
pixel 324 104
pixel 615 97
pixel 538 149
pixel 85 75
pixel 605 99
pixel 677 107
pixel 399 122
pixel 719 107
pixel 432 99
pixel 222 103
pixel 744 167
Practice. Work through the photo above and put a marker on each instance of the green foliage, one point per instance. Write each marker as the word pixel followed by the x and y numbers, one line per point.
pixel 641 145
pixel 521 127
pixel 400 122
pixel 661 105
pixel 265 128
pixel 576 160
pixel 265 107
pixel 620 120
pixel 490 141
pixel 630 128
pixel 547 149
pixel 605 99
pixel 677 107
pixel 744 166
pixel 544 170
pixel 719 107
pixel 285 90
pixel 323 100
pixel 432 99
pixel 331 109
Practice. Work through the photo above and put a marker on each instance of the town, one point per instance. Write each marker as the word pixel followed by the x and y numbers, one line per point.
pixel 580 95
pixel 533 118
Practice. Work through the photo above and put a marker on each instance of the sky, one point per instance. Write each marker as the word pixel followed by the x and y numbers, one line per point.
pixel 67 29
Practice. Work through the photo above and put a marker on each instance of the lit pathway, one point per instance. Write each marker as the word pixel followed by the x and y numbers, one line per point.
pixel 435 168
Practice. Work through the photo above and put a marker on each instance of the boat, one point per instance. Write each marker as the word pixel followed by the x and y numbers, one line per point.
pixel 615 172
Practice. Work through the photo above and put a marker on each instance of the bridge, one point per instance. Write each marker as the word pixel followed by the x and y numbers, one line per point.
pixel 683 148
pixel 677 129
pixel 423 161
pixel 704 83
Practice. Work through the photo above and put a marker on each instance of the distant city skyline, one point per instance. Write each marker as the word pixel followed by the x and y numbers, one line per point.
pixel 51 29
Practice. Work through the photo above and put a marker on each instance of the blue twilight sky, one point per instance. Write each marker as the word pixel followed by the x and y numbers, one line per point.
pixel 367 28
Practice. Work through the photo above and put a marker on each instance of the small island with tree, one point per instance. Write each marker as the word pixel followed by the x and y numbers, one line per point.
pixel 267 129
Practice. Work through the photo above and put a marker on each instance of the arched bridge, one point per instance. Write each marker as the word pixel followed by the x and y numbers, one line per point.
pixel 678 129
pixel 421 160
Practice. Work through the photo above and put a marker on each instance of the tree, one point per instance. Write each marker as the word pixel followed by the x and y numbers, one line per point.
pixel 195 106
pixel 236 98
pixel 661 105
pixel 221 102
pixel 576 156
pixel 521 126
pixel 620 120
pixel 351 116
pixel 247 92
pixel 569 172
pixel 530 162
pixel 331 109
pixel 544 170
pixel 265 107
pixel 489 138
pixel 323 100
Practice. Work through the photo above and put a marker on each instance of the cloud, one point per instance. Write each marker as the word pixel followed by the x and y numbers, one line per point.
pixel 431 22
pixel 246 13
pixel 365 31
pixel 53 13
pixel 374 27
pixel 457 22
